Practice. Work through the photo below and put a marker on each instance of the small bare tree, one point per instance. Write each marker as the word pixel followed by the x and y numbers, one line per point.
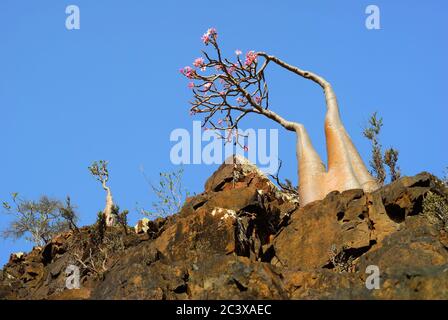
pixel 68 213
pixel 38 221
pixel 286 186
pixel 170 194
pixel 227 91
pixel 100 172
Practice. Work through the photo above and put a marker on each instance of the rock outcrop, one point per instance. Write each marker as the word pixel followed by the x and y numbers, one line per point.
pixel 245 239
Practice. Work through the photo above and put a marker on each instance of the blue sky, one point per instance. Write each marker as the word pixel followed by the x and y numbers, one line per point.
pixel 112 89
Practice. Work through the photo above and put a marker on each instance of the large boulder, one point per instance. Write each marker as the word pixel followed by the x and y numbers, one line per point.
pixel 353 223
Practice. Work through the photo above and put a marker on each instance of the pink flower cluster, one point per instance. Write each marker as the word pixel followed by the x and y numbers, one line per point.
pixel 251 57
pixel 188 72
pixel 199 63
pixel 210 34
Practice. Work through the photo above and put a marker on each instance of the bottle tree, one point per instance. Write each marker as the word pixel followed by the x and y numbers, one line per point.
pixel 225 91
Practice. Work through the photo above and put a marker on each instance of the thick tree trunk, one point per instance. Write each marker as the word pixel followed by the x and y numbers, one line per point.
pixel 346 170
pixel 311 170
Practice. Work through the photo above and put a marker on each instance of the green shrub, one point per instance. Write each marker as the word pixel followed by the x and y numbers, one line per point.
pixel 378 160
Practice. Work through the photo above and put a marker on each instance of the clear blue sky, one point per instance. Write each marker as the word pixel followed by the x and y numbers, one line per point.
pixel 112 89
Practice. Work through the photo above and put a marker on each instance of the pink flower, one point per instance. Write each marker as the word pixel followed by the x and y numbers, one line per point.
pixel 258 99
pixel 191 85
pixel 188 72
pixel 212 32
pixel 205 38
pixel 246 148
pixel 238 52
pixel 251 57
pixel 240 100
pixel 218 67
pixel 209 35
pixel 207 86
pixel 198 62
pixel 222 93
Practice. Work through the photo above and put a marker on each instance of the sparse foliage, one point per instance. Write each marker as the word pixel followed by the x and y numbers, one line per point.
pixel 68 213
pixel 38 221
pixel 229 92
pixel 378 160
pixel 99 170
pixel 390 159
pixel 170 194
pixel 122 218
pixel 100 229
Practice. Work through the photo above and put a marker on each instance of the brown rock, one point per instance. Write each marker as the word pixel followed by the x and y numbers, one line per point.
pixel 244 239
pixel 237 173
pixel 340 221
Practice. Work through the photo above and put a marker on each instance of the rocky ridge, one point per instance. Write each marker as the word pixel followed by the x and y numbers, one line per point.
pixel 242 238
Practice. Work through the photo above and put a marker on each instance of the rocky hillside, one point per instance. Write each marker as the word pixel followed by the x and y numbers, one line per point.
pixel 242 238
